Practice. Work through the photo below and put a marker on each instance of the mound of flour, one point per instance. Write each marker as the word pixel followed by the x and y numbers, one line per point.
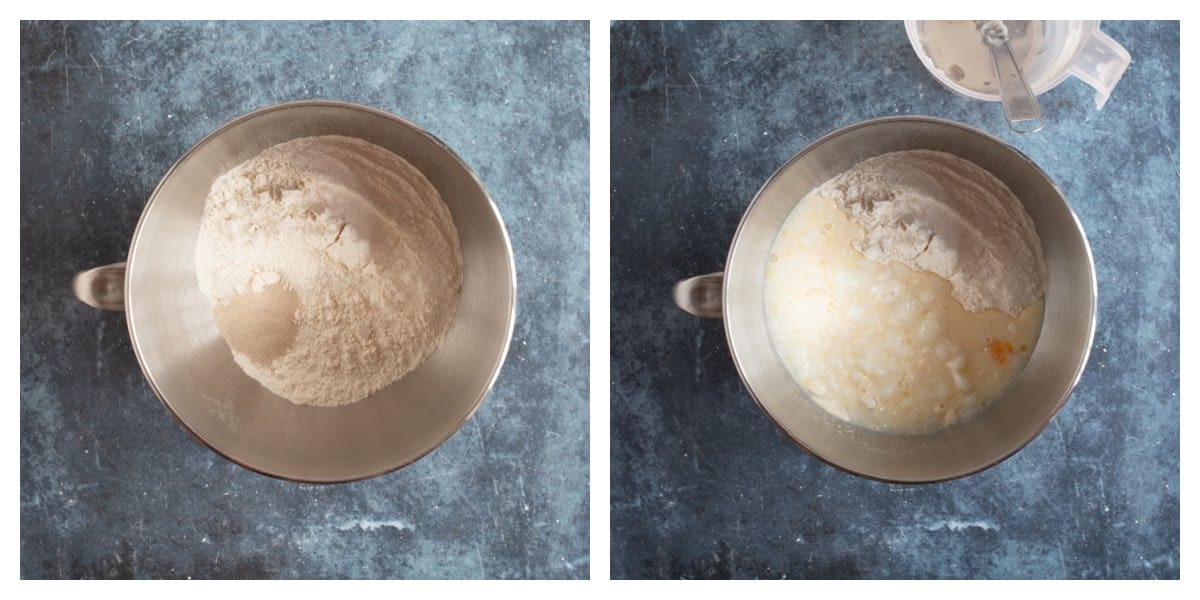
pixel 936 212
pixel 333 267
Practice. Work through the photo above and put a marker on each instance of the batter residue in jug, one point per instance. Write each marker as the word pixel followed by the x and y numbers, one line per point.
pixel 957 50
pixel 905 294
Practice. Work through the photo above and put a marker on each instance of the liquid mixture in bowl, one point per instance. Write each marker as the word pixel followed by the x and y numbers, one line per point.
pixel 906 294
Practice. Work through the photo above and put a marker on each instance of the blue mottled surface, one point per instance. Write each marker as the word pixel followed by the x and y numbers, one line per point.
pixel 702 483
pixel 111 486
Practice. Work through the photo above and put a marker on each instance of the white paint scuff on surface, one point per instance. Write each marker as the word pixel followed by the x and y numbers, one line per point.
pixel 375 525
pixel 957 525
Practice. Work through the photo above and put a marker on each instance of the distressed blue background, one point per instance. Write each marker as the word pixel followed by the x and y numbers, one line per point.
pixel 111 486
pixel 702 483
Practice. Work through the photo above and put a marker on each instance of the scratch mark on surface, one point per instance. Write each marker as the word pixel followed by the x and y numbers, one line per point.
pixel 98 68
pixel 100 349
pixel 650 78
pixel 1062 439
pixel 1136 388
pixel 95 449
pixel 662 30
pixel 521 488
pixel 141 121
pixel 1174 161
pixel 737 131
pixel 66 67
pixel 440 475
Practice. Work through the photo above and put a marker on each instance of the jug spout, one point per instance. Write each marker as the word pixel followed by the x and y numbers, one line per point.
pixel 1101 64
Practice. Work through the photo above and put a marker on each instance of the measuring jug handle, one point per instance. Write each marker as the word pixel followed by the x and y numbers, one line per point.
pixel 701 295
pixel 102 287
pixel 1101 64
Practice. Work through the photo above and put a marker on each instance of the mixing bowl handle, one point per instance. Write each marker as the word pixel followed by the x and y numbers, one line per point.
pixel 701 295
pixel 102 287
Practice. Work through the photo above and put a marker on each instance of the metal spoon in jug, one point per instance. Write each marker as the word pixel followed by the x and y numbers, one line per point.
pixel 1020 105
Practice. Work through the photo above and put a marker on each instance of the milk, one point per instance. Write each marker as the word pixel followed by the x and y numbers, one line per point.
pixel 881 345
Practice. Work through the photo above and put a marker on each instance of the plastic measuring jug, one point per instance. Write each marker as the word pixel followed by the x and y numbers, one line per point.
pixel 1047 51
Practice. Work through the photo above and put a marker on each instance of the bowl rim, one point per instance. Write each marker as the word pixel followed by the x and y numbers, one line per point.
pixel 810 147
pixel 340 104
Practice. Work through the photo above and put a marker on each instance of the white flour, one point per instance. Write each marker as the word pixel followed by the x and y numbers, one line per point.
pixel 936 212
pixel 333 266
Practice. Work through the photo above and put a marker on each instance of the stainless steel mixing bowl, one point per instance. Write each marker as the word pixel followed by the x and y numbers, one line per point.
pixel 191 369
pixel 1013 420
